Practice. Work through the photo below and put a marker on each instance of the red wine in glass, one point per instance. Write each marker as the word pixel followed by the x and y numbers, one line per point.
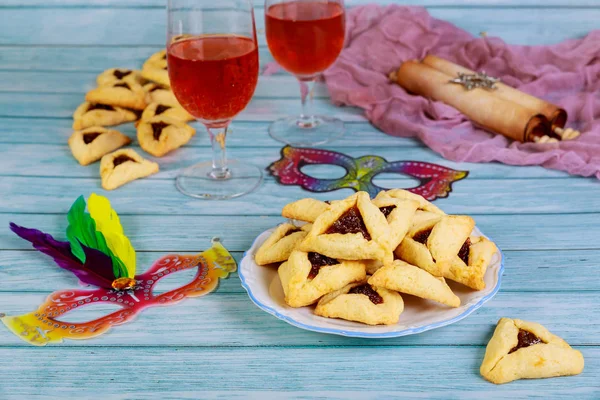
pixel 212 57
pixel 305 37
pixel 213 77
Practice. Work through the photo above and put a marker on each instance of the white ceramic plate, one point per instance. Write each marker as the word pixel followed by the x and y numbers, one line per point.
pixel 264 288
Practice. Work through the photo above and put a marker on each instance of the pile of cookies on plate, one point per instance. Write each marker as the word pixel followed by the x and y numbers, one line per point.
pixel 355 257
pixel 122 96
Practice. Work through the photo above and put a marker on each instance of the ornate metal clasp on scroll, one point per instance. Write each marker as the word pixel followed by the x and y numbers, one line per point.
pixel 477 80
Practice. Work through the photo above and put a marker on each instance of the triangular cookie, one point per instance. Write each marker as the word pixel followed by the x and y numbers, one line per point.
pixel 307 210
pixel 89 145
pixel 88 115
pixel 116 75
pixel 306 277
pixel 406 195
pixel 157 60
pixel 152 73
pixel 443 247
pixel 351 229
pixel 278 247
pixel 123 166
pixel 362 302
pixel 121 94
pixel 156 93
pixel 160 135
pixel 406 278
pixel 399 215
pixel 165 110
pixel 526 350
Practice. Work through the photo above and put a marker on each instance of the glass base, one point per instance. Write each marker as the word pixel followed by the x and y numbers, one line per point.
pixel 198 181
pixel 307 132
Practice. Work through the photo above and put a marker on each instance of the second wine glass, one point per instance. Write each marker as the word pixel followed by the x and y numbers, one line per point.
pixel 305 37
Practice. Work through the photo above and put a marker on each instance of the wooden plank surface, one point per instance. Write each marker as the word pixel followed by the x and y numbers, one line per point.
pixel 212 373
pixel 147 26
pixel 147 232
pixel 25 270
pixel 546 223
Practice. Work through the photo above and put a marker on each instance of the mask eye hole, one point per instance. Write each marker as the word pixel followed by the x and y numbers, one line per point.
pixel 89 312
pixel 323 171
pixel 174 280
pixel 395 180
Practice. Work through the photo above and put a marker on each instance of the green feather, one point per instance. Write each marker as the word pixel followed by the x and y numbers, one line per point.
pixel 82 231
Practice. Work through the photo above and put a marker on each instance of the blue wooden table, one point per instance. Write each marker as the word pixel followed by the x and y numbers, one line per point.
pixel 222 346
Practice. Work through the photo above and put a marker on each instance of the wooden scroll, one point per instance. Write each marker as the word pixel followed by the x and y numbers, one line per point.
pixel 483 107
pixel 556 115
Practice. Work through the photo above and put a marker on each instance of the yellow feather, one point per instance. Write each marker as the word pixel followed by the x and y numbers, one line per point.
pixel 107 222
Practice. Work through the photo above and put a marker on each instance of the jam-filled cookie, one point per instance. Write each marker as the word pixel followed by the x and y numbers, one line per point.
pixel 406 278
pixel 164 110
pixel 89 145
pixel 123 166
pixel 90 114
pixel 278 247
pixel 160 135
pixel 306 277
pixel 399 214
pixel 157 60
pixel 444 247
pixel 526 350
pixel 117 75
pixel 121 94
pixel 362 302
pixel 158 75
pixel 351 229
pixel 156 93
pixel 402 194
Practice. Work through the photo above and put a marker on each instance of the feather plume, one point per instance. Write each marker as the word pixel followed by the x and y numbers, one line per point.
pixel 108 223
pixel 97 269
pixel 82 232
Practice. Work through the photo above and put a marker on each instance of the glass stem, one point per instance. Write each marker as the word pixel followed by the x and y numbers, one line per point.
pixel 307 118
pixel 218 137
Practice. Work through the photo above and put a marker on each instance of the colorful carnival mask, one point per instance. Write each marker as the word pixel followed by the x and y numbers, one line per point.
pixel 99 254
pixel 436 181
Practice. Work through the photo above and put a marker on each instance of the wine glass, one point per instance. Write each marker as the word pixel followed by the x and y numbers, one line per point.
pixel 305 37
pixel 212 56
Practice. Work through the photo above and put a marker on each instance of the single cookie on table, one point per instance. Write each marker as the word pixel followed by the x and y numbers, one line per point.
pixel 306 277
pixel 95 114
pixel 351 229
pixel 89 145
pixel 156 93
pixel 117 75
pixel 278 247
pixel 160 135
pixel 157 60
pixel 158 75
pixel 445 248
pixel 121 94
pixel 526 350
pixel 174 112
pixel 362 302
pixel 123 166
pixel 406 278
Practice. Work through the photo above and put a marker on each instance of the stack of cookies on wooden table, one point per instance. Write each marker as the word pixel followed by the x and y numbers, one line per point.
pixel 124 95
pixel 355 258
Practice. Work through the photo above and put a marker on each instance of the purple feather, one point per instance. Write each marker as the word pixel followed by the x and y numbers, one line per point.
pixel 97 269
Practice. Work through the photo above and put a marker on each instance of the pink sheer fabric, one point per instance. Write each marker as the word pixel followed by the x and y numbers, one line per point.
pixel 381 38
